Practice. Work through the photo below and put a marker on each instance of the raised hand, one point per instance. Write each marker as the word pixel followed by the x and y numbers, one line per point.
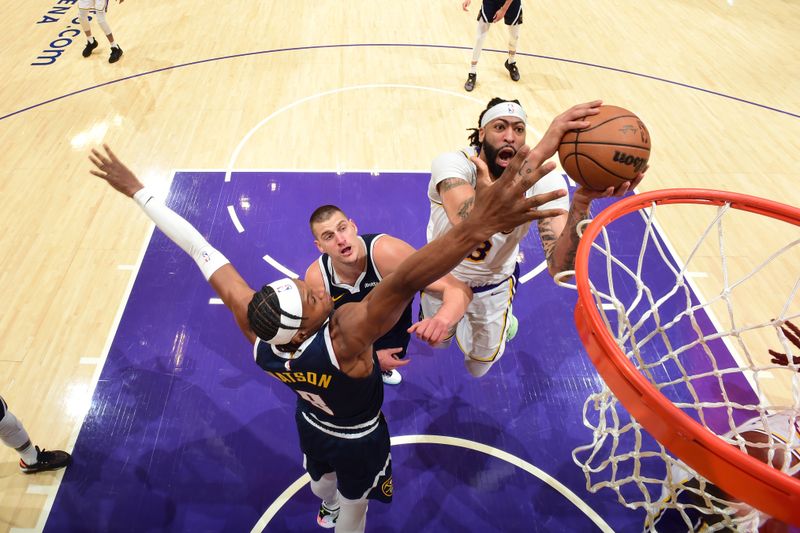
pixel 111 169
pixel 573 118
pixel 502 205
pixel 793 335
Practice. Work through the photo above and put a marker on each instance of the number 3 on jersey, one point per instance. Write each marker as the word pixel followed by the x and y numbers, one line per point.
pixel 315 400
pixel 480 253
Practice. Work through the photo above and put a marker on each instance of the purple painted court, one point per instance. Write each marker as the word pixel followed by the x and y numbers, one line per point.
pixel 186 433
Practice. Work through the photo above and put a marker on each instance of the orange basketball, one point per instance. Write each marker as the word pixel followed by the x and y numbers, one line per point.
pixel 611 151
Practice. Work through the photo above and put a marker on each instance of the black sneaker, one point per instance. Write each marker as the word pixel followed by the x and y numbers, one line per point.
pixel 116 53
pixel 52 460
pixel 87 50
pixel 470 84
pixel 512 70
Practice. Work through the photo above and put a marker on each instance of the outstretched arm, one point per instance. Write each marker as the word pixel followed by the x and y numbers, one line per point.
pixel 224 279
pixel 389 253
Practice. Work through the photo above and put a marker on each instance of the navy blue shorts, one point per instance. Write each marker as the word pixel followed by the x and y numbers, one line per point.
pixel 363 465
pixel 490 7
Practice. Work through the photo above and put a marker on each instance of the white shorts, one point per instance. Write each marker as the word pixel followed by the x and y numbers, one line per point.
pixel 481 333
pixel 97 5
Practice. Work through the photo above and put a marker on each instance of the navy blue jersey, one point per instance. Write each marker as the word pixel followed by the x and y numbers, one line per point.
pixel 398 336
pixel 328 398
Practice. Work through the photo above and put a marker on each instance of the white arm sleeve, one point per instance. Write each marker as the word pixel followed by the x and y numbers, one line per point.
pixel 181 233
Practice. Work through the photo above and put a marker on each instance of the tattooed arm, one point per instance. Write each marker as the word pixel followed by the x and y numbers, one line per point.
pixel 458 197
pixel 560 236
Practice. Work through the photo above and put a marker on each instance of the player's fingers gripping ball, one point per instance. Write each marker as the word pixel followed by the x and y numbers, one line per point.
pixel 612 150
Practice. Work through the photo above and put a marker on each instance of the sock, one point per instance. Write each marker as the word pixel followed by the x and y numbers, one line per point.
pixel 91 39
pixel 28 453
pixel 473 69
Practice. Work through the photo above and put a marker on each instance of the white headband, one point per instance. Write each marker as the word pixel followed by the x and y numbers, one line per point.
pixel 290 302
pixel 504 109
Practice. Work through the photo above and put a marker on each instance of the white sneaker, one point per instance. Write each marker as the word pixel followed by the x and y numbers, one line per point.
pixel 327 517
pixel 392 377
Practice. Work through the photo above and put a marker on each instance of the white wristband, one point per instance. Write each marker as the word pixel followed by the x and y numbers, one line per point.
pixel 181 233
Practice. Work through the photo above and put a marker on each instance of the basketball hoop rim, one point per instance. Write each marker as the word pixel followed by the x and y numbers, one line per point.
pixel 737 473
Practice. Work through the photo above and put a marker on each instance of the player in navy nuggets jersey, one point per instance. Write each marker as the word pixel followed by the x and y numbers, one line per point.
pixel 351 266
pixel 326 356
pixel 509 11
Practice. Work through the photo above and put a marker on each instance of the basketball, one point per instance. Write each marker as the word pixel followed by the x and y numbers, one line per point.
pixel 611 151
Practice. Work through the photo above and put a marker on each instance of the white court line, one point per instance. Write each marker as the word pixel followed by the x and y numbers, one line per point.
pixel 215 301
pixel 287 494
pixel 280 267
pixel 41 489
pixel 235 219
pixel 126 267
pixel 89 360
pixel 51 496
pixel 533 273
pixel 296 103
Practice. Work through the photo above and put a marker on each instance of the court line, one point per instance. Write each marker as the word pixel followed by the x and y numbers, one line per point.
pixel 47 507
pixel 397 45
pixel 286 495
pixel 275 264
pixel 296 103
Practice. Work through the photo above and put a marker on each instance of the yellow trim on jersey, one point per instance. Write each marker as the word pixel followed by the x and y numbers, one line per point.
pixel 492 357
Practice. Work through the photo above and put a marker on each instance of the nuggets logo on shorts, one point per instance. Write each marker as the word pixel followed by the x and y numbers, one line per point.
pixel 387 488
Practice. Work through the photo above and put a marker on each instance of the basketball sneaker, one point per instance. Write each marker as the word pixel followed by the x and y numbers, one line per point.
pixel 470 84
pixel 513 325
pixel 391 377
pixel 327 517
pixel 116 53
pixel 513 71
pixel 52 460
pixel 87 50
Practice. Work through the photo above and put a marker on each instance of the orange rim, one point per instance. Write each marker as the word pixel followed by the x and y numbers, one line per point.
pixel 735 472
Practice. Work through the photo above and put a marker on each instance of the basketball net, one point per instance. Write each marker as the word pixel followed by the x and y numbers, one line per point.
pixel 689 382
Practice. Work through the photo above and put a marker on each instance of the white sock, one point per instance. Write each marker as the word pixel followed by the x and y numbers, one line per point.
pixel 29 454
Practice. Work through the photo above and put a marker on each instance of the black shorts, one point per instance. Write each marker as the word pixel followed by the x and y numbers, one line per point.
pixel 490 7
pixel 3 407
pixel 363 465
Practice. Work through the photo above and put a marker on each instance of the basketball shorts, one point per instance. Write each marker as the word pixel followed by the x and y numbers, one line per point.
pixel 3 407
pixel 481 333
pixel 491 7
pixel 363 465
pixel 97 5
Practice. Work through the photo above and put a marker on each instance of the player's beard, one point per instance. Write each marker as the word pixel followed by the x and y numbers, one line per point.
pixel 491 159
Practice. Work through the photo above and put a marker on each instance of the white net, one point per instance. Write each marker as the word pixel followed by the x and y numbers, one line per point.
pixel 715 331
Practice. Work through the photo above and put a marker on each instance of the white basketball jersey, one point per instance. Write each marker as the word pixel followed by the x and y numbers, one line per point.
pixel 494 260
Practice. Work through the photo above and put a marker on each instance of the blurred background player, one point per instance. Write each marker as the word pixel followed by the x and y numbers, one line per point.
pixel 100 8
pixel 32 459
pixel 773 439
pixel 351 266
pixel 492 11
pixel 491 269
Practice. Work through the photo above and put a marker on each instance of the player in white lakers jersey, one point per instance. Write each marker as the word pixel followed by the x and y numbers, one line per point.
pixel 490 270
